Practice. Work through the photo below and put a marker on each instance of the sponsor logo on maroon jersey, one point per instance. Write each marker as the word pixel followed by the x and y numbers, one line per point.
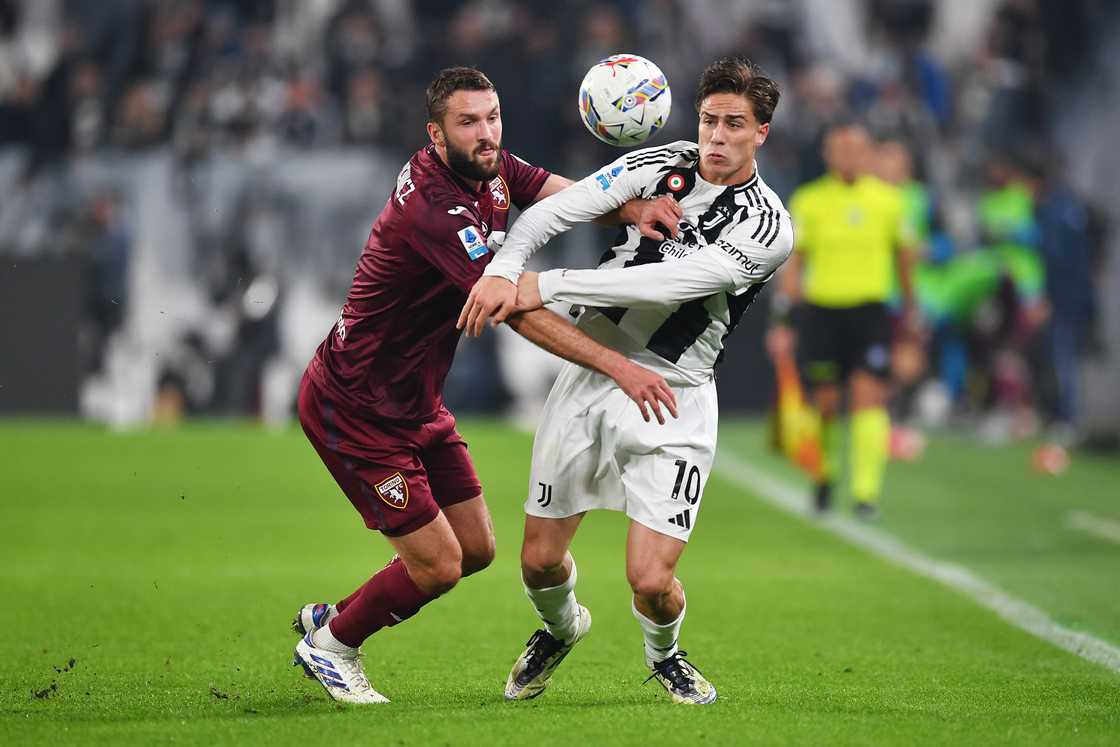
pixel 500 192
pixel 393 490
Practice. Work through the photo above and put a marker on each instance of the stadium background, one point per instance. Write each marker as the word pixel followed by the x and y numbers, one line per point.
pixel 186 187
pixel 187 184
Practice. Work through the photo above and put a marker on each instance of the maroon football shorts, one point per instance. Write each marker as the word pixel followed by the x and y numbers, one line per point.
pixel 397 476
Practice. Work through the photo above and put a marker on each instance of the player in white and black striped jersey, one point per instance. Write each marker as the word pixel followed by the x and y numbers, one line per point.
pixel 667 303
pixel 680 340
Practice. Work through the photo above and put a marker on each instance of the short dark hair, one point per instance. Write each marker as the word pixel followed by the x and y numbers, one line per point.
pixel 449 81
pixel 846 121
pixel 740 75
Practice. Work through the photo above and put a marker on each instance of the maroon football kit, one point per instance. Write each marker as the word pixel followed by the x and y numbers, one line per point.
pixel 371 401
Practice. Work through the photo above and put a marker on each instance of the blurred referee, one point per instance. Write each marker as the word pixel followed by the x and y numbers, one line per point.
pixel 850 238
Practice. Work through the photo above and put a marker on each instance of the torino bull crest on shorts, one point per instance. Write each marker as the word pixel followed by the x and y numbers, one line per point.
pixel 393 490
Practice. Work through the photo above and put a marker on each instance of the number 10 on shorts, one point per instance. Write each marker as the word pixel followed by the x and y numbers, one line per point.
pixel 691 485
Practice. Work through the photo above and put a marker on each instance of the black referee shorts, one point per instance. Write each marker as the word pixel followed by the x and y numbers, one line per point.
pixel 834 342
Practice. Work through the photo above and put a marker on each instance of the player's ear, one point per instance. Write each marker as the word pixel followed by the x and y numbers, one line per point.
pixel 760 136
pixel 435 134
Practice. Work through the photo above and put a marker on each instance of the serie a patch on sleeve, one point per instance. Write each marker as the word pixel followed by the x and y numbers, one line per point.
pixel 606 178
pixel 473 242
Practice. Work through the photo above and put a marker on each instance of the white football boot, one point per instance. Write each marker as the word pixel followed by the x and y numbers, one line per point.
pixel 311 617
pixel 682 680
pixel 533 670
pixel 341 675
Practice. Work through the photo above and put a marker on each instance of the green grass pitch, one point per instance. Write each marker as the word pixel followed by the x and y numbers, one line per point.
pixel 148 581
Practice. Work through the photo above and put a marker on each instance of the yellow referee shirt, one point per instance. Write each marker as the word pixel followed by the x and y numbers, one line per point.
pixel 847 235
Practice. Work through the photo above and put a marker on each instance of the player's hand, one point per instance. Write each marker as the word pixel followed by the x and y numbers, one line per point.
pixel 781 341
pixel 665 212
pixel 647 389
pixel 491 298
pixel 1036 313
pixel 528 292
pixel 913 326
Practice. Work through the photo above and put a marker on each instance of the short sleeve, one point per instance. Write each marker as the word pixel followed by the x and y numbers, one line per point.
pixel 904 232
pixel 447 234
pixel 523 179
pixel 799 211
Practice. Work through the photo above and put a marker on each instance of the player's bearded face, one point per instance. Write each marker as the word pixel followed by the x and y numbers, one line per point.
pixel 479 161
pixel 472 131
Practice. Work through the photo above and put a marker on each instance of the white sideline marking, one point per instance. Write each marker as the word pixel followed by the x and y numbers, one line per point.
pixel 1094 525
pixel 1022 615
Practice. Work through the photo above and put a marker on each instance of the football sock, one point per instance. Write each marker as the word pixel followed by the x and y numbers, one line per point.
pixel 557 608
pixel 828 436
pixel 388 598
pixel 660 640
pixel 344 603
pixel 870 443
pixel 341 605
pixel 323 638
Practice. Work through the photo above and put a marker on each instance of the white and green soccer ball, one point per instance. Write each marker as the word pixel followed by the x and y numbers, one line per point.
pixel 624 100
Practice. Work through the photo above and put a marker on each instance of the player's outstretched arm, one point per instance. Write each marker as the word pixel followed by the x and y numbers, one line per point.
pixel 547 330
pixel 647 215
pixel 714 268
pixel 494 297
pixel 588 199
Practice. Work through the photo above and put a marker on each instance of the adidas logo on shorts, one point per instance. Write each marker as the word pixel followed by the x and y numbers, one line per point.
pixel 682 519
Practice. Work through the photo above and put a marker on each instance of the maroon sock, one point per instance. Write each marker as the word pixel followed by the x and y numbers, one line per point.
pixel 340 606
pixel 386 599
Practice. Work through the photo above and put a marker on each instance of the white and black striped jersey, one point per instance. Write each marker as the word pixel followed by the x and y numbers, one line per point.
pixel 668 305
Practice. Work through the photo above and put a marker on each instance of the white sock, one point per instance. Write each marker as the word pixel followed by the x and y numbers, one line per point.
pixel 323 638
pixel 660 640
pixel 557 608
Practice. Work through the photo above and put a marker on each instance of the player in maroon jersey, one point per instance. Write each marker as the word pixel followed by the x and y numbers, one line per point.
pixel 371 400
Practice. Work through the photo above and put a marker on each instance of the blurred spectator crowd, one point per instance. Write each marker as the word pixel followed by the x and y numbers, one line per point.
pixel 256 108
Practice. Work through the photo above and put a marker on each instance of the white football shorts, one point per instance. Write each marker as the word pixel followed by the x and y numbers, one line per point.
pixel 594 450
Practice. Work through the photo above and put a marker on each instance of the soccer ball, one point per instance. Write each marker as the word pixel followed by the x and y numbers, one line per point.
pixel 624 99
